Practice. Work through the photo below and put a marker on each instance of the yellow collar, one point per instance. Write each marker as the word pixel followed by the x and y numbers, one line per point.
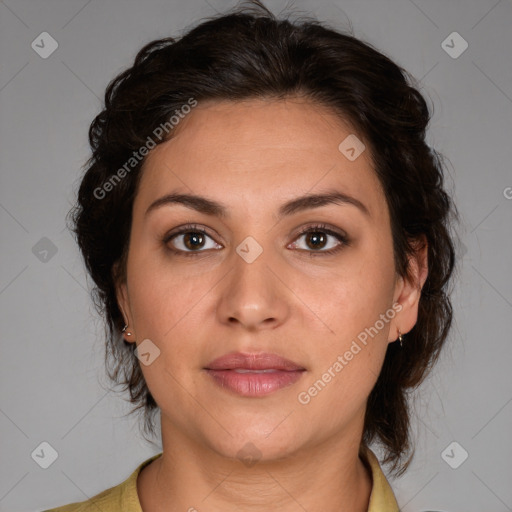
pixel 382 498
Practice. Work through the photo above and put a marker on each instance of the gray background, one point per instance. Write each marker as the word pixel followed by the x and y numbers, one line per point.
pixel 53 387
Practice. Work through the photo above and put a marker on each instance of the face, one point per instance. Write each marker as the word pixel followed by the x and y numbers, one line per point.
pixel 313 282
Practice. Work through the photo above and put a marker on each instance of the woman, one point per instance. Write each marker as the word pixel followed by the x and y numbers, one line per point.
pixel 270 240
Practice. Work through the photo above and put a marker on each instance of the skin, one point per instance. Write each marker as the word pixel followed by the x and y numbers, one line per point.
pixel 253 156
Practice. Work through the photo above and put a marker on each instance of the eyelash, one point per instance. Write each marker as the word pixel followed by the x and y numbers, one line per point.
pixel 194 228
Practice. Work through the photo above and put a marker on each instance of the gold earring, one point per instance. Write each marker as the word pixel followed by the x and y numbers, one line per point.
pixel 400 337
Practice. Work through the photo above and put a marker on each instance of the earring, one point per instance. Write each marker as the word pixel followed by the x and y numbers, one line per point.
pixel 124 329
pixel 400 337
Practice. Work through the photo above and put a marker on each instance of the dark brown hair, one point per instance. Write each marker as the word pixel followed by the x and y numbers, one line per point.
pixel 249 53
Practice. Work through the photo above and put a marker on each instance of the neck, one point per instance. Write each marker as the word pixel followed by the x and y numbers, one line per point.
pixel 188 476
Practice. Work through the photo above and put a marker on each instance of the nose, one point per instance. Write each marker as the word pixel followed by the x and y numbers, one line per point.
pixel 252 296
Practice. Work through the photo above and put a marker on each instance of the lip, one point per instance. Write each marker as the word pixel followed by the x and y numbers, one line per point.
pixel 253 375
pixel 254 361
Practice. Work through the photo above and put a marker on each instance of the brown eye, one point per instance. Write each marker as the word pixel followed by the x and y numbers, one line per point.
pixel 320 240
pixel 316 239
pixel 193 240
pixel 190 241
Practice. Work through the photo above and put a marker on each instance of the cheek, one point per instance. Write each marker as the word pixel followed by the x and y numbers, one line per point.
pixel 350 297
pixel 345 372
pixel 359 314
pixel 163 293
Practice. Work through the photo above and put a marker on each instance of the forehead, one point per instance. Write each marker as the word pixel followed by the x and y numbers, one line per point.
pixel 251 152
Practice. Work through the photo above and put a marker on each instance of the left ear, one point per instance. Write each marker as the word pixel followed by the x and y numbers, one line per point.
pixel 408 291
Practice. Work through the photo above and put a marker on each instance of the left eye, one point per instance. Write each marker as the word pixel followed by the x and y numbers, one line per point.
pixel 317 240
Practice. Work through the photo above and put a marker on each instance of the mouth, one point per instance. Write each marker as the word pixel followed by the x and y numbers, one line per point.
pixel 253 375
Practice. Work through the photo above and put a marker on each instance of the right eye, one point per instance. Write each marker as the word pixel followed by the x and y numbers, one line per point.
pixel 189 241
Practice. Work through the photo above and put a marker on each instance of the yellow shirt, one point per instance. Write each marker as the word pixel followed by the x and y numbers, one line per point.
pixel 123 497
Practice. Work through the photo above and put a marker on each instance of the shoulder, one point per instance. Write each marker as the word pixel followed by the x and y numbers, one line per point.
pixel 120 497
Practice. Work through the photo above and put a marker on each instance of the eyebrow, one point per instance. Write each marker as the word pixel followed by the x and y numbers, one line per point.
pixel 210 207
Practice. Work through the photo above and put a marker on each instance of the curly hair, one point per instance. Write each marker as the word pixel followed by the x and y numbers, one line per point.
pixel 249 53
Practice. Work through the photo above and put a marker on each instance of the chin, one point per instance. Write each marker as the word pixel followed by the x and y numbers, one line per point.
pixel 250 443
